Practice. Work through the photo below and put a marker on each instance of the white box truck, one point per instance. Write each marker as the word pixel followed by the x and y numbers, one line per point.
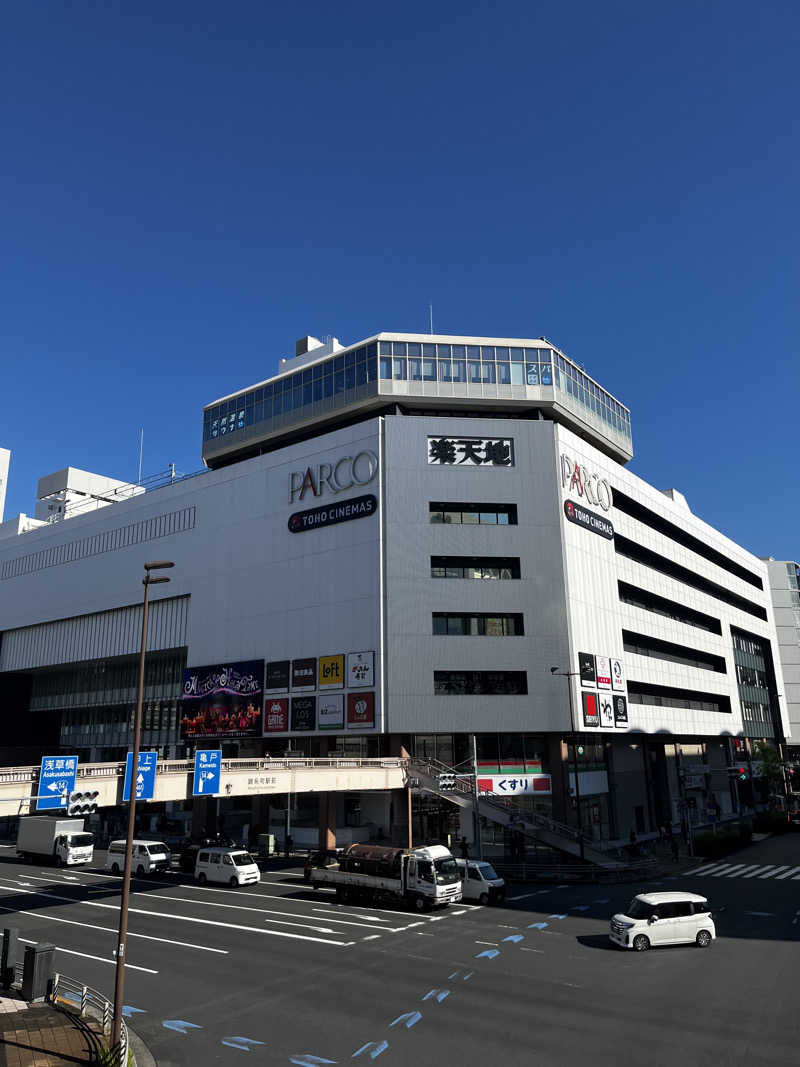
pixel 423 877
pixel 60 841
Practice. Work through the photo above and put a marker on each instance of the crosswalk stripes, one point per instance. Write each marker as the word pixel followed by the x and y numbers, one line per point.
pixel 746 870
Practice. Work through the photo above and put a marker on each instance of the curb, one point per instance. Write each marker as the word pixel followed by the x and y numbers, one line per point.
pixel 142 1056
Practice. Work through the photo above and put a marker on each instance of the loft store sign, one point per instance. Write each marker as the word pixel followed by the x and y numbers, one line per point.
pixel 345 473
pixel 575 478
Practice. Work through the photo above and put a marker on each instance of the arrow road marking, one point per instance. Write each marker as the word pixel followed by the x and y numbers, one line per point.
pixel 762 914
pixel 305 1059
pixel 556 916
pixel 489 953
pixel 128 1011
pixel 377 1049
pixel 537 926
pixel 438 994
pixel 409 1019
pixel 580 907
pixel 244 1044
pixel 180 1026
pixel 516 938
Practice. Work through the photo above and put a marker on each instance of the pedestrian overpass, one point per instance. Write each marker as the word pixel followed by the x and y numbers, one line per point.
pixel 19 786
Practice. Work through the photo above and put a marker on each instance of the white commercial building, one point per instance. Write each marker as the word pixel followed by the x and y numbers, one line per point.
pixel 395 545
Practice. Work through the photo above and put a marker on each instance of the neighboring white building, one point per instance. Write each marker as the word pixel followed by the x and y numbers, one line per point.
pixel 5 460
pixel 404 536
pixel 784 581
pixel 72 492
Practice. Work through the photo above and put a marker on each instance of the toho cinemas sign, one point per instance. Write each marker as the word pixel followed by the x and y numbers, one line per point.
pixel 346 473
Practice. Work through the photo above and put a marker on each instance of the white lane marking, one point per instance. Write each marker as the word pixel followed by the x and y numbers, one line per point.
pixel 111 930
pixel 189 919
pixel 538 951
pixel 346 922
pixel 749 867
pixel 86 956
pixel 789 873
pixel 494 943
pixel 733 869
pixel 372 937
pixel 776 870
pixel 526 896
pixel 760 871
pixel 762 914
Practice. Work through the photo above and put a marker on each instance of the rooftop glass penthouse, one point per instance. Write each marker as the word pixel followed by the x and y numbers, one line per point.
pixel 410 373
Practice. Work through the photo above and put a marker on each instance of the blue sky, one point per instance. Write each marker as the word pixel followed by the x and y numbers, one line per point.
pixel 188 187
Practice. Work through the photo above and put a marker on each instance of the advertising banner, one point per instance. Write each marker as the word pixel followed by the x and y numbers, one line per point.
pixel 359 507
pixel 620 711
pixel 591 716
pixel 519 785
pixel 360 711
pixel 276 678
pixel 276 715
pixel 331 711
pixel 304 673
pixel 331 672
pixel 617 676
pixel 360 669
pixel 587 669
pixel 304 714
pixel 223 701
pixel 606 710
pixel 603 672
pixel 589 520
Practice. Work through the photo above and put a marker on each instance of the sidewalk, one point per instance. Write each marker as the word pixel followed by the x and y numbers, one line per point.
pixel 37 1035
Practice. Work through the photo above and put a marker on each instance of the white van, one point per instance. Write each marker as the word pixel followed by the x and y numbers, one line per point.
pixel 663 919
pixel 146 857
pixel 233 866
pixel 480 881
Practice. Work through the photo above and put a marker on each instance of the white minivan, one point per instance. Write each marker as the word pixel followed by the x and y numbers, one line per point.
pixel 480 881
pixel 233 866
pixel 146 857
pixel 653 919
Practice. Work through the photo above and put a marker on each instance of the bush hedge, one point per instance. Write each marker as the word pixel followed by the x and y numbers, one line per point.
pixel 715 845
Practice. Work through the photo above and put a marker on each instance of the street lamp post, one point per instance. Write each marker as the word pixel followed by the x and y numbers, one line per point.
pixel 569 675
pixel 119 984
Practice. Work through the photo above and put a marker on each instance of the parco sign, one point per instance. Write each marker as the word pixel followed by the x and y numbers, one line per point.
pixel 345 473
pixel 575 478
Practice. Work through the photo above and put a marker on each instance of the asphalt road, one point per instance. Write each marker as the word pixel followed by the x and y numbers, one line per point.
pixel 286 975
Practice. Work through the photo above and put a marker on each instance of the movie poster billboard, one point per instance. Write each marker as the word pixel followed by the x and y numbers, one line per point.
pixel 222 701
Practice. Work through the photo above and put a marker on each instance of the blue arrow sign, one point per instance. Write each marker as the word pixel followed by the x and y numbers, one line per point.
pixel 207 772
pixel 556 916
pixel 145 776
pixel 537 926
pixel 489 953
pixel 128 1011
pixel 56 781
pixel 516 938
pixel 580 907
pixel 244 1044
pixel 408 1019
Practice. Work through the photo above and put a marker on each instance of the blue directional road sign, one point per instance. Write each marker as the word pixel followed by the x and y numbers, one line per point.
pixel 56 782
pixel 207 771
pixel 145 776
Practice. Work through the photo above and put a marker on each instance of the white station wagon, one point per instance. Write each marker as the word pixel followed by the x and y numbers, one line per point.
pixel 653 919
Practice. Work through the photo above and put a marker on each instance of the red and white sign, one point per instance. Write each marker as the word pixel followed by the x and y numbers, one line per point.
pixel 591 714
pixel 517 785
pixel 360 711
pixel 276 715
pixel 603 672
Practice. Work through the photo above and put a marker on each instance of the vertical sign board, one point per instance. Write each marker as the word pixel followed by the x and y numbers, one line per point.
pixel 603 672
pixel 591 715
pixel 617 676
pixel 360 669
pixel 145 776
pixel 586 666
pixel 56 782
pixel 606 710
pixel 207 772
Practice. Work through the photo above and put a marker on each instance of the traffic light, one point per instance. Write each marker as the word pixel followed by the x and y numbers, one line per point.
pixel 447 781
pixel 83 803
pixel 741 774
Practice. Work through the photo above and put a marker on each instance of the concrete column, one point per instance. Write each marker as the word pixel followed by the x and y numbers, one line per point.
pixel 204 816
pixel 558 757
pixel 327 821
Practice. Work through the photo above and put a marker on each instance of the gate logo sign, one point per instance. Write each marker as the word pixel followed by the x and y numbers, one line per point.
pixel 56 781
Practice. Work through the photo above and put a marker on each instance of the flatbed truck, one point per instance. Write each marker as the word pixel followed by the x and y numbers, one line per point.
pixel 421 878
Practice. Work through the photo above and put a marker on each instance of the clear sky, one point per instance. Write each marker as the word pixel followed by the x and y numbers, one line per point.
pixel 186 188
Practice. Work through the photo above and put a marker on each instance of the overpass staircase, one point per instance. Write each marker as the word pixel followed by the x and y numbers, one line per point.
pixel 534 825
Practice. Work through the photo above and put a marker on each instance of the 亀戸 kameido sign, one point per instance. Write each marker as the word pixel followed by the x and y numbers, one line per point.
pixel 345 473
pixel 576 478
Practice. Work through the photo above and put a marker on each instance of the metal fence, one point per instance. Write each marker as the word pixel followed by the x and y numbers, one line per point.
pixel 89 1003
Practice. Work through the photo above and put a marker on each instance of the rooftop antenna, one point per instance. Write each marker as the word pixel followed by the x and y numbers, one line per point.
pixel 141 446
pixel 430 310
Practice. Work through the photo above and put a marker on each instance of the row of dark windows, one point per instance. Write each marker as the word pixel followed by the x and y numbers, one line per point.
pixel 473 514
pixel 642 645
pixel 659 605
pixel 675 533
pixel 473 624
pixel 491 568
pixel 480 683
pixel 667 696
pixel 625 547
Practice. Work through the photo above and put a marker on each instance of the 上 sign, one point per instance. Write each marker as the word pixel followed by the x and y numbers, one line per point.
pixel 471 451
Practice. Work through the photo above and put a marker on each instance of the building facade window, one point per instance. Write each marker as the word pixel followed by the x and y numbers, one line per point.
pixel 480 683
pixel 669 609
pixel 641 645
pixel 469 514
pixel 477 625
pixel 491 568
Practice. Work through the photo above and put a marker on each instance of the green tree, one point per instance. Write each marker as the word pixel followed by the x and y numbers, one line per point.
pixel 771 770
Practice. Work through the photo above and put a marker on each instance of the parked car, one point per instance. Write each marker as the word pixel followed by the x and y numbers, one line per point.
pixel 653 919
pixel 793 816
pixel 324 858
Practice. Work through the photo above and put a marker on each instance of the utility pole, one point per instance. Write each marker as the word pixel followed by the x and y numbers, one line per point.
pixel 476 816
